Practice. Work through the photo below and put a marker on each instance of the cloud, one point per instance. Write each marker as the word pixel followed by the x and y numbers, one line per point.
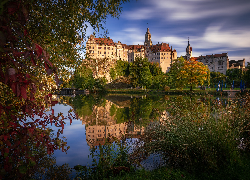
pixel 129 36
pixel 187 10
pixel 236 38
pixel 140 14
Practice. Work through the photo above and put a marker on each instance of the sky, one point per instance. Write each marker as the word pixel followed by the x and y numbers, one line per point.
pixel 213 26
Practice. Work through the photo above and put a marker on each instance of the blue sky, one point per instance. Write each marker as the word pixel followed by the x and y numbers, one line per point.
pixel 213 26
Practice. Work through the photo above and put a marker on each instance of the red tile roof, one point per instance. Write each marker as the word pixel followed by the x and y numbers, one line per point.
pixel 104 41
pixel 161 48
pixel 135 47
pixel 214 55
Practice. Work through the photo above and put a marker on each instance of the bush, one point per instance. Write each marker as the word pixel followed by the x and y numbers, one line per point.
pixel 199 139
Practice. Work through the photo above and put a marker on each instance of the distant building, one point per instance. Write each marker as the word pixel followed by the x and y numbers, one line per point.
pixel 216 62
pixel 240 64
pixel 189 50
pixel 161 54
pixel 106 48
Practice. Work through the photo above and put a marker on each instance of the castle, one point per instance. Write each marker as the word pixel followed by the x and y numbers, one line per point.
pixel 107 52
pixel 106 48
pixel 216 62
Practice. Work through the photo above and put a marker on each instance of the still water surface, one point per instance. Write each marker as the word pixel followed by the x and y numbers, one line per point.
pixel 98 117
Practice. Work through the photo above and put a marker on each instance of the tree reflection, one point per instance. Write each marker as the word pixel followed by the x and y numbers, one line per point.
pixel 27 142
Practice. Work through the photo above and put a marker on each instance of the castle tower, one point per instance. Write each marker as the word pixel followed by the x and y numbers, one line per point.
pixel 188 51
pixel 148 41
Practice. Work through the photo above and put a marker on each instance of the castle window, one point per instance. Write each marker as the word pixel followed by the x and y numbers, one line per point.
pixel 99 47
pixel 105 48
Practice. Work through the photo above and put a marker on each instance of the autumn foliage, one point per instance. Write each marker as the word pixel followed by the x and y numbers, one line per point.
pixel 24 96
pixel 189 73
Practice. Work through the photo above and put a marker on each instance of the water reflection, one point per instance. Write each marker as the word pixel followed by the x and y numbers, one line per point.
pixel 98 118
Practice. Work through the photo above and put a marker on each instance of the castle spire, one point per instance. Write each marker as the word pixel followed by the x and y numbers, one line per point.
pixel 148 41
pixel 188 51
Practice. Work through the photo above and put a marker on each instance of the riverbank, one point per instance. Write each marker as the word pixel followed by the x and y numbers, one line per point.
pixel 196 91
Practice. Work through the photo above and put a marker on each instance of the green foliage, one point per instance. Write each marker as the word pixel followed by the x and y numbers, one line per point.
pixel 100 83
pixel 215 77
pixel 83 78
pixel 235 75
pixel 205 141
pixel 155 69
pixel 109 160
pixel 122 68
pixel 247 74
pixel 160 81
pixel 112 73
pixel 60 26
pixel 175 73
pixel 139 72
pixel 189 73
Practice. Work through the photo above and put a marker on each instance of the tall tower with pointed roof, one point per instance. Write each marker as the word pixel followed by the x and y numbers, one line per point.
pixel 188 51
pixel 148 41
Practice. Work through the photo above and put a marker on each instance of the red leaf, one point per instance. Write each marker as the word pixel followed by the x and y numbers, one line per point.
pixel 8 143
pixel 56 79
pixel 53 103
pixel 46 66
pixel 39 50
pixel 49 71
pixel 26 54
pixel 31 130
pixel 27 76
pixel 7 150
pixel 25 32
pixel 6 79
pixel 12 74
pixel 14 88
pixel 32 59
pixel 5 137
pixel 37 144
pixel 24 91
pixel 18 90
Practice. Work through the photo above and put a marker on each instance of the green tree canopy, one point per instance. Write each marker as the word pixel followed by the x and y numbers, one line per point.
pixel 83 78
pixel 139 72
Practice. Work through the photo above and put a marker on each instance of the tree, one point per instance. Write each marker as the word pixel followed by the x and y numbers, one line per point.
pixel 177 79
pixel 235 75
pixel 155 69
pixel 122 68
pixel 189 73
pixel 83 78
pixel 140 73
pixel 39 40
pixel 215 77
pixel 247 74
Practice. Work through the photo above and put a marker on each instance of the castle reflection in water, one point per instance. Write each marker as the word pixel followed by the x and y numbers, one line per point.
pixel 102 124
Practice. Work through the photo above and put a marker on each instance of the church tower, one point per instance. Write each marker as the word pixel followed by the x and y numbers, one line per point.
pixel 188 51
pixel 148 41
